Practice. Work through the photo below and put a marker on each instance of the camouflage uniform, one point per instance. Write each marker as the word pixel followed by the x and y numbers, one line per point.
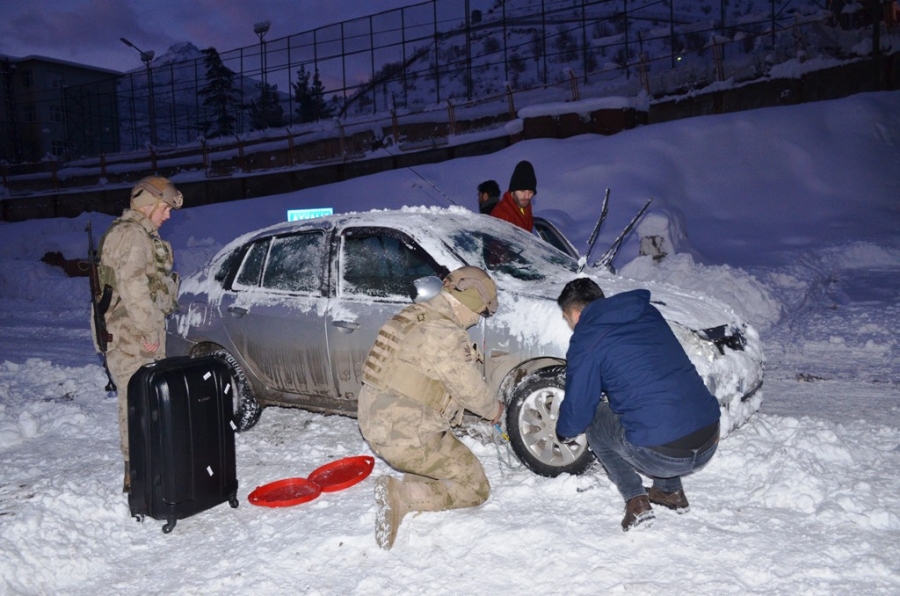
pixel 137 264
pixel 419 377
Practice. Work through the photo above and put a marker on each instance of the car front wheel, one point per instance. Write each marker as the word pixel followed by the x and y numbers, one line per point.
pixel 531 424
pixel 246 410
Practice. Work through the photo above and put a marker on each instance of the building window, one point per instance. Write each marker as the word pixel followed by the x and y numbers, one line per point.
pixel 56 80
pixel 56 114
pixel 30 114
pixel 58 148
pixel 27 78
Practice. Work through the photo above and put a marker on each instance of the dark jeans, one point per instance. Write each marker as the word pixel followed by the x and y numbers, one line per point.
pixel 623 460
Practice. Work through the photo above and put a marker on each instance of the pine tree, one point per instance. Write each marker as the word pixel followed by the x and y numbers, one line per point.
pixel 311 104
pixel 266 112
pixel 219 95
pixel 320 108
pixel 301 94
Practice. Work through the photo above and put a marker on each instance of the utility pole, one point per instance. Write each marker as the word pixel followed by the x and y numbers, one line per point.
pixel 146 58
pixel 261 29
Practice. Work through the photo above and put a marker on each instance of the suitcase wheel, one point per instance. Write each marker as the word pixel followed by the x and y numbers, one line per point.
pixel 233 502
pixel 169 525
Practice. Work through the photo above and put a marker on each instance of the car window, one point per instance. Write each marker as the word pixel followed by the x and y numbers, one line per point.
pixel 525 260
pixel 227 266
pixel 382 263
pixel 295 263
pixel 553 237
pixel 251 268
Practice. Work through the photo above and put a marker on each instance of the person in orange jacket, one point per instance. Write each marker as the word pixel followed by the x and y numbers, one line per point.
pixel 515 206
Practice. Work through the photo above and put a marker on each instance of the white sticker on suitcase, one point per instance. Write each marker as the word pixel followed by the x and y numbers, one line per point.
pixel 207 376
pixel 209 470
pixel 233 425
pixel 227 388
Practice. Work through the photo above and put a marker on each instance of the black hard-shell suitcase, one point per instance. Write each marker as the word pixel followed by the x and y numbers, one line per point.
pixel 181 438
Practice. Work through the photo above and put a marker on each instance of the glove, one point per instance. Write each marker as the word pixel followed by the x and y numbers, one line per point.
pixel 477 355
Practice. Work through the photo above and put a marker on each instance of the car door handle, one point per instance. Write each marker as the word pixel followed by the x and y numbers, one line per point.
pixel 346 326
pixel 237 311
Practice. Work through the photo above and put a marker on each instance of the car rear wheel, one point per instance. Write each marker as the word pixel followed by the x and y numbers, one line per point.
pixel 246 410
pixel 531 424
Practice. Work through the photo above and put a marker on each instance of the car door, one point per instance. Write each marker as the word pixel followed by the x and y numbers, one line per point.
pixel 275 313
pixel 375 272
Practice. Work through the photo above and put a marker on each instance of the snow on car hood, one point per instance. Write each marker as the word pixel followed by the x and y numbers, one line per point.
pixel 530 310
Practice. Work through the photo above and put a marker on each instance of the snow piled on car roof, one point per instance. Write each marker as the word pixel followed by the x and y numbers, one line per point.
pixel 434 228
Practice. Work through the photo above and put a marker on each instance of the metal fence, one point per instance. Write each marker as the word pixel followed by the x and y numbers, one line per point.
pixel 422 56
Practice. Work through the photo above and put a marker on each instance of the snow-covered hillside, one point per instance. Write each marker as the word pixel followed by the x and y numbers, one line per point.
pixel 419 57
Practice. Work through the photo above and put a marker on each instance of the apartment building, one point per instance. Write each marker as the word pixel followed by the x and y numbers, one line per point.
pixel 51 108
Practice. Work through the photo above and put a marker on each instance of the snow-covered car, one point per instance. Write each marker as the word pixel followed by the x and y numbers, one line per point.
pixel 294 308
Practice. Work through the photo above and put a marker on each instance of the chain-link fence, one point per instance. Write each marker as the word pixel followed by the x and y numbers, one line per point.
pixel 425 56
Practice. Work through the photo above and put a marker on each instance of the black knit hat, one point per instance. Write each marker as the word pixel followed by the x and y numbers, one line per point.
pixel 523 177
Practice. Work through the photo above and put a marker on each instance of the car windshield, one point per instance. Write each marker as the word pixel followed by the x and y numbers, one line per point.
pixel 526 257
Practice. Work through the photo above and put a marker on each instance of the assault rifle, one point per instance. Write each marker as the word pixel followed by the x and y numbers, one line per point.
pixel 100 299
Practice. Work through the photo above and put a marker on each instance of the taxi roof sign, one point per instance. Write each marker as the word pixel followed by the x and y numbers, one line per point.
pixel 298 214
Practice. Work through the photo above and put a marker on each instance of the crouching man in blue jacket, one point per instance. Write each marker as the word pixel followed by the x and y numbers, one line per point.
pixel 659 419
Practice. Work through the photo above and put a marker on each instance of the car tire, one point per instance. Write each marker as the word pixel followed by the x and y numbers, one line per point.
pixel 531 425
pixel 246 410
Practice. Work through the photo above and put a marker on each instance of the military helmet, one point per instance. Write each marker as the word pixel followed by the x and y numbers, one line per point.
pixel 155 189
pixel 473 287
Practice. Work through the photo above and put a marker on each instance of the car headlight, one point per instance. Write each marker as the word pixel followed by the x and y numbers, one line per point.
pixel 724 335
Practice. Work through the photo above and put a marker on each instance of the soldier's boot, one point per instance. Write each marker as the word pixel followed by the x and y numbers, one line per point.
pixel 392 508
pixel 426 495
pixel 396 498
pixel 126 484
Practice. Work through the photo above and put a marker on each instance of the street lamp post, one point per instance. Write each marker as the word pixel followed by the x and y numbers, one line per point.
pixel 146 58
pixel 261 29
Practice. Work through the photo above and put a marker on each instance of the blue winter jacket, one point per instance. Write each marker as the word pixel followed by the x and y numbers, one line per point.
pixel 624 347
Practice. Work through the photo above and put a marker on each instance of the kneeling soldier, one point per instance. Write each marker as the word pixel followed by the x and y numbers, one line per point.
pixel 419 377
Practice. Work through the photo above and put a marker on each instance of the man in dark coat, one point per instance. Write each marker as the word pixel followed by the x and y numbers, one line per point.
pixel 515 206
pixel 488 196
pixel 659 418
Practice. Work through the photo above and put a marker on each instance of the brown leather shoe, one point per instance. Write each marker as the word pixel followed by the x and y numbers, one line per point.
pixel 676 501
pixel 638 512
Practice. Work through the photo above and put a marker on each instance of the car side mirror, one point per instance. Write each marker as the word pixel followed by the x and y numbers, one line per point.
pixel 427 288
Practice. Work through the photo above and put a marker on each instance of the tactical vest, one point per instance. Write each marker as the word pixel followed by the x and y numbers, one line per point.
pixel 382 370
pixel 163 282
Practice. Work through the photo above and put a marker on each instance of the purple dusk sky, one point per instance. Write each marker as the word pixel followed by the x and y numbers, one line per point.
pixel 88 31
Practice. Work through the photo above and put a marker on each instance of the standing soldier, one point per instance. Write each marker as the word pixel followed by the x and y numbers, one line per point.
pixel 137 264
pixel 419 377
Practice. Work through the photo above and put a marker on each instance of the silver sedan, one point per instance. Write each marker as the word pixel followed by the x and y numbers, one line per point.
pixel 294 308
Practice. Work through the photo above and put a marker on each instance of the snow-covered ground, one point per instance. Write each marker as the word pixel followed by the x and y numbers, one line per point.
pixel 789 214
